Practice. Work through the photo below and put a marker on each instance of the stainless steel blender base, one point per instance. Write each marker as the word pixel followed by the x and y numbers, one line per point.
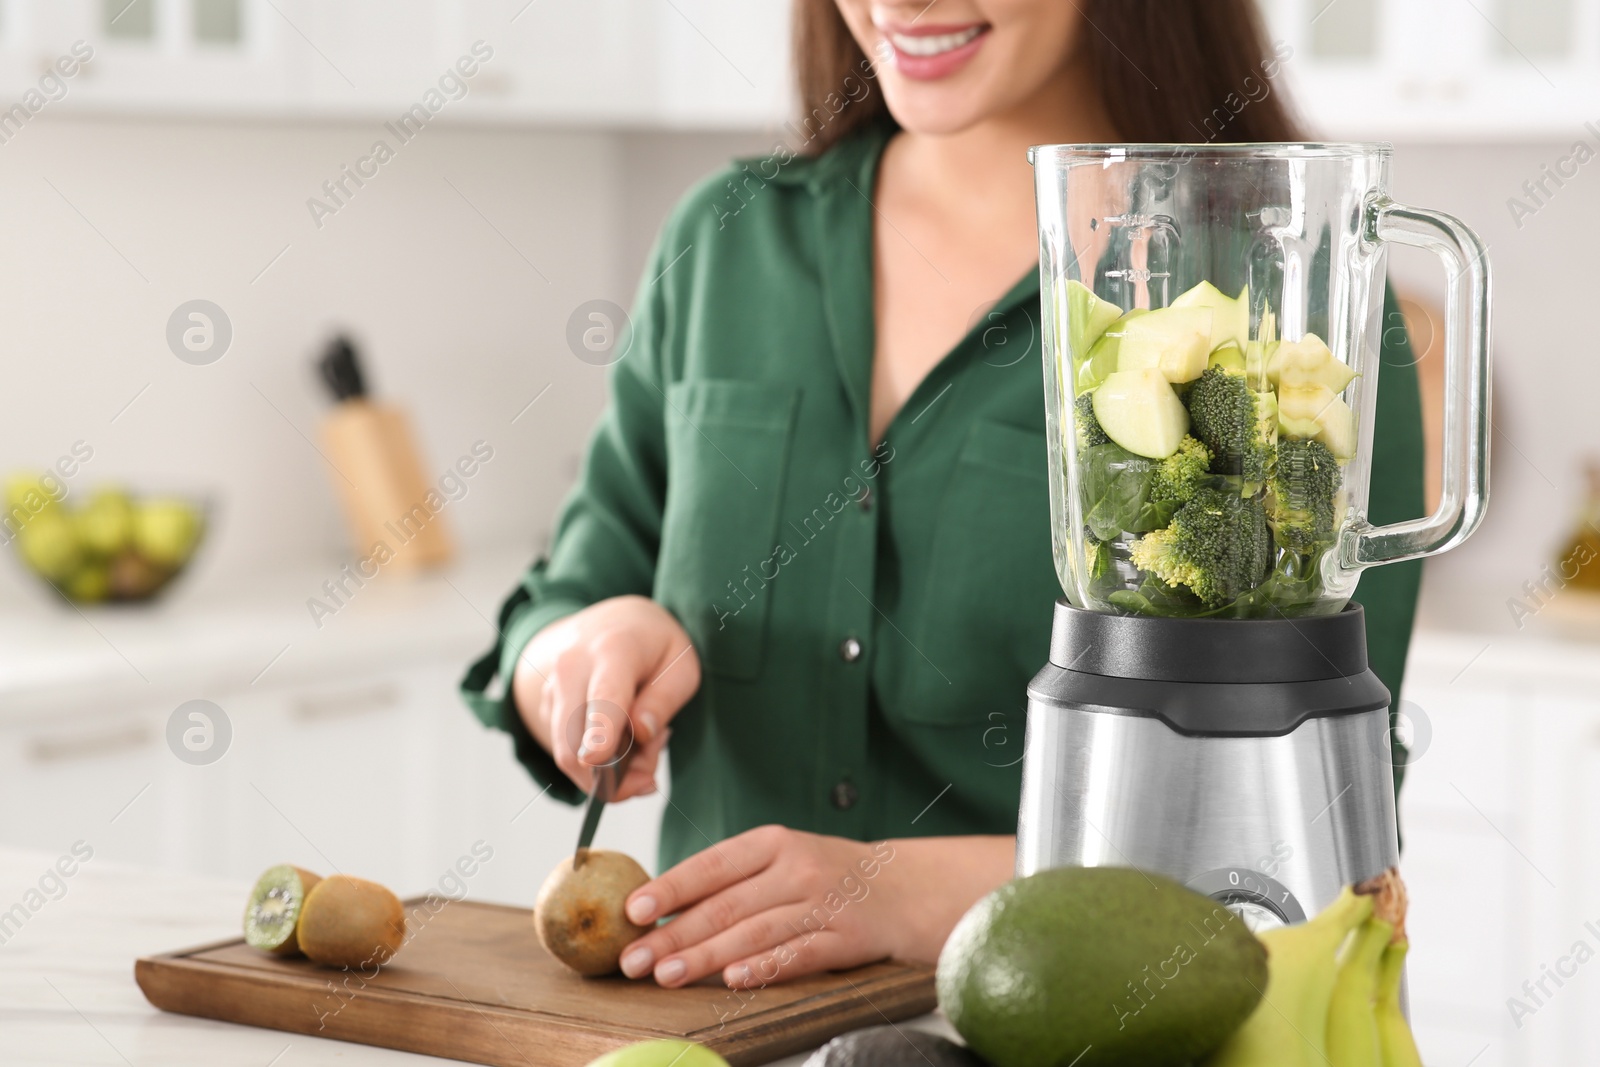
pixel 1275 826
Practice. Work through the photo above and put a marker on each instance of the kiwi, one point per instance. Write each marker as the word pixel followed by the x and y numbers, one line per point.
pixel 274 909
pixel 350 922
pixel 579 914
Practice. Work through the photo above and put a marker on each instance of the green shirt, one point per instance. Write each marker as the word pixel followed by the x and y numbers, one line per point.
pixel 867 618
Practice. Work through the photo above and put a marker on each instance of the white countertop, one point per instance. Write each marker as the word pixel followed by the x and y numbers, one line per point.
pixel 68 997
pixel 225 636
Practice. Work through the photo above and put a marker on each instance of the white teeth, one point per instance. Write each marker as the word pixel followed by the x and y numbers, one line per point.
pixel 936 45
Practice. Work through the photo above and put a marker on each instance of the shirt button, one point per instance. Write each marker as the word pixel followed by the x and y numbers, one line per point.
pixel 866 500
pixel 849 650
pixel 844 796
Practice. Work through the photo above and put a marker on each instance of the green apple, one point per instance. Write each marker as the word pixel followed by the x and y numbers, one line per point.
pixel 1231 321
pixel 165 531
pixel 661 1053
pixel 49 545
pixel 27 496
pixel 1308 362
pixel 1086 316
pixel 1315 411
pixel 1139 410
pixel 1103 353
pixel 1175 341
pixel 105 523
pixel 90 585
pixel 1229 358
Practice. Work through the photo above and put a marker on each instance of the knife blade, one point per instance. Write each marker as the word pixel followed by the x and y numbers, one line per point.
pixel 607 778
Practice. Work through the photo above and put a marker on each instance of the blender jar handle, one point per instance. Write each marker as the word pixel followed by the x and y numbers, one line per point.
pixel 1466 382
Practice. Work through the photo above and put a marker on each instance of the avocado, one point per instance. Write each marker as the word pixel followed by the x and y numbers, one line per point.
pixel 1139 410
pixel 1098 966
pixel 892 1046
pixel 1174 340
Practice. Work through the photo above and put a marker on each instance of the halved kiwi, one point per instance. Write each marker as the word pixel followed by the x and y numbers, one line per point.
pixel 273 913
pixel 350 922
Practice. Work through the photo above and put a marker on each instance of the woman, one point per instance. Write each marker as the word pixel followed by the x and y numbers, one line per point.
pixel 811 543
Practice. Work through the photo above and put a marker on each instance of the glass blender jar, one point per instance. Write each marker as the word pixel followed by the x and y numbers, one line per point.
pixel 1212 321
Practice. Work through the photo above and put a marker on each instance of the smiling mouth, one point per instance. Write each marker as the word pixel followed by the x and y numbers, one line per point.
pixel 923 46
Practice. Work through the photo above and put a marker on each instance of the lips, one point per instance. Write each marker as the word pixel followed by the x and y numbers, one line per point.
pixel 927 53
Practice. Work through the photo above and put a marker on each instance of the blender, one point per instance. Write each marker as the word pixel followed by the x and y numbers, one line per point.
pixel 1212 320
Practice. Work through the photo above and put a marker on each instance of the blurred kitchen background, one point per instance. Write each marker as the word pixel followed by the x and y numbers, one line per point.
pixel 176 163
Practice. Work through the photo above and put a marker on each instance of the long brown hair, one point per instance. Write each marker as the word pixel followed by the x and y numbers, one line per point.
pixel 1168 71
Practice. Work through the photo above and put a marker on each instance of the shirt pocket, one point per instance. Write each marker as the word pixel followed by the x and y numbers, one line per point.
pixel 727 454
pixel 987 598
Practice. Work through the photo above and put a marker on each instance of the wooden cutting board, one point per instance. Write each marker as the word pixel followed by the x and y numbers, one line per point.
pixel 473 984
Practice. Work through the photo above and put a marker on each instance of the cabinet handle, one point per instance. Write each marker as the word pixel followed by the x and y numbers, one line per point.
pixel 65 748
pixel 313 707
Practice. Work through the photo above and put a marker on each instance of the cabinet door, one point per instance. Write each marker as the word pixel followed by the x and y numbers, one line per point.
pixel 108 780
pixel 1464 878
pixel 325 776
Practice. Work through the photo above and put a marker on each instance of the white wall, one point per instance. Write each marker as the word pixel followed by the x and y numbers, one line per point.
pixel 112 224
pixel 1546 375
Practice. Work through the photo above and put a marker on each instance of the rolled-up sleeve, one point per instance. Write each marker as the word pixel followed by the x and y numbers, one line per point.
pixel 608 533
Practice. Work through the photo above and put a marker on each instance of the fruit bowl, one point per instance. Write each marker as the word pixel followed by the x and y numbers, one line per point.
pixel 111 546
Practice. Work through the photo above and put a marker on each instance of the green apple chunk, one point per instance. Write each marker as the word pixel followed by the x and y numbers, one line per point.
pixel 1139 410
pixel 1087 317
pixel 1103 354
pixel 1307 362
pixel 1230 323
pixel 1229 358
pixel 1175 341
pixel 1315 411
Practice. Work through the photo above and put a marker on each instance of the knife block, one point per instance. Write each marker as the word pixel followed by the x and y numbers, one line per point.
pixel 394 513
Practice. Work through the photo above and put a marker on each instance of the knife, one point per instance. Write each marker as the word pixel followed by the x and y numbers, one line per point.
pixel 607 778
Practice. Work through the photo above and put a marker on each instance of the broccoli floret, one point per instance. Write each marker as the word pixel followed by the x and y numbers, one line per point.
pixel 1089 431
pixel 1180 474
pixel 1304 483
pixel 1234 422
pixel 1217 545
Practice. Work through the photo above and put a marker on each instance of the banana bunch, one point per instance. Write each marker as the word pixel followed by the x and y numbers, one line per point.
pixel 1333 989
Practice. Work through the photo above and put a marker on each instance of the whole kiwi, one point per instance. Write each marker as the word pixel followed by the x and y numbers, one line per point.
pixel 579 914
pixel 350 922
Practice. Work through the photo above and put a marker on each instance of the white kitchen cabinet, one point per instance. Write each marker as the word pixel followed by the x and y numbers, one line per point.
pixel 1441 69
pixel 702 63
pixel 1417 69
pixel 381 775
pixel 1500 814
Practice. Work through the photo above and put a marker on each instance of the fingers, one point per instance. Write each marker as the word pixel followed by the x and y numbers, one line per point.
pixel 613 680
pixel 565 697
pixel 735 860
pixel 808 952
pixel 755 937
pixel 686 938
pixel 641 775
pixel 675 678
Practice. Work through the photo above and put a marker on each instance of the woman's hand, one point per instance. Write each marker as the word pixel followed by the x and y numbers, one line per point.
pixel 579 678
pixel 773 904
